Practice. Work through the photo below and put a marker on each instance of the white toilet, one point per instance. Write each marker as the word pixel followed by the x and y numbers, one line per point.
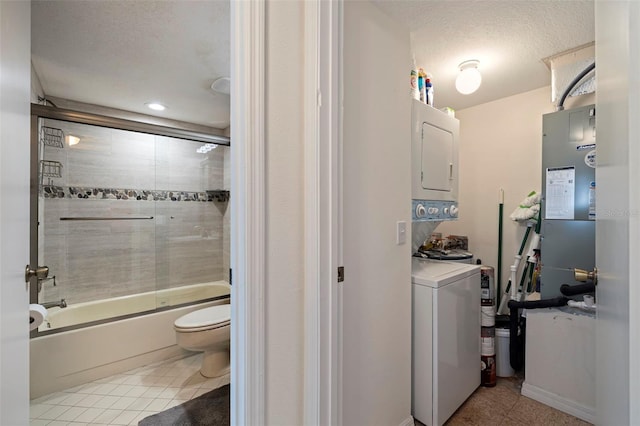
pixel 207 330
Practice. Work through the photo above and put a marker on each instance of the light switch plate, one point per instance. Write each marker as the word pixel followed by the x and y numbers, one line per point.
pixel 401 232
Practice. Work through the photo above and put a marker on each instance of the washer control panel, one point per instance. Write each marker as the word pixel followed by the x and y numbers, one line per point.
pixel 430 210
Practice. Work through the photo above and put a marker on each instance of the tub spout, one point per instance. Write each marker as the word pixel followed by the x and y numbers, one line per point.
pixel 62 304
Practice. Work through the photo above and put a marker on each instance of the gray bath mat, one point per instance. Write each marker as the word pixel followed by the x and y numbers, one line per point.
pixel 211 408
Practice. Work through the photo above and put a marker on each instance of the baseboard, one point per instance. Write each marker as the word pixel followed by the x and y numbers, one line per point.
pixel 556 401
pixel 407 422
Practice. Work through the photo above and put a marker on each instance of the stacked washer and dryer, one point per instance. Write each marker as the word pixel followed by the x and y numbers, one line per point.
pixel 445 295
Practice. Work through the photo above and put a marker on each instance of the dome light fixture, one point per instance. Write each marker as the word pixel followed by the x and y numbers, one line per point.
pixel 469 79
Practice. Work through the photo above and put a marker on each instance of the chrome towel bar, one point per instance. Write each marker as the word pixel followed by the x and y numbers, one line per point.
pixel 107 218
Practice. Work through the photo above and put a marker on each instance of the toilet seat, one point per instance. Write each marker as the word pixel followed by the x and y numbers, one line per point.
pixel 204 319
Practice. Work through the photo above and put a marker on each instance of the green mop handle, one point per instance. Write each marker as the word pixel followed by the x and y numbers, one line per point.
pixel 500 214
pixel 524 240
pixel 531 285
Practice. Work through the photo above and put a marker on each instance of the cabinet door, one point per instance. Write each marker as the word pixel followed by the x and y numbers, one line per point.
pixel 437 158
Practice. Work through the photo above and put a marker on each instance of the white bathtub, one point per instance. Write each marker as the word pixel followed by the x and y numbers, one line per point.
pixel 97 310
pixel 71 358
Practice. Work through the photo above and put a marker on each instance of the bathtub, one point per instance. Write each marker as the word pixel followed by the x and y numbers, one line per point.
pixel 99 310
pixel 68 358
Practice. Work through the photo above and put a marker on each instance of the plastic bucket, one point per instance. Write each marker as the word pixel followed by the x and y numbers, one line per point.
pixel 503 364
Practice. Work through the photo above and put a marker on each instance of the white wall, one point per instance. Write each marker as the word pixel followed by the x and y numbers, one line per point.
pixel 377 193
pixel 500 148
pixel 285 215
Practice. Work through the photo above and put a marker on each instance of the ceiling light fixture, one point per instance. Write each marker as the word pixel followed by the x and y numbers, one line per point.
pixel 156 106
pixel 469 79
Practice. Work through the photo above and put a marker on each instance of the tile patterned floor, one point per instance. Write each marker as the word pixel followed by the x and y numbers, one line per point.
pixel 125 399
pixel 503 405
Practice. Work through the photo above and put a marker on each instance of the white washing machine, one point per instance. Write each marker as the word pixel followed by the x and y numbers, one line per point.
pixel 446 338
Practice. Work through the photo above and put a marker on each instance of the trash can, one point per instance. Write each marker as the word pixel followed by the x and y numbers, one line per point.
pixel 503 364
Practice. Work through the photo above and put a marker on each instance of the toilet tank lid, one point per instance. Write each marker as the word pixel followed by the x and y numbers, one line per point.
pixel 203 317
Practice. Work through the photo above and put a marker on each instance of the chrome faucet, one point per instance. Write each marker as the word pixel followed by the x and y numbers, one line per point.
pixel 62 303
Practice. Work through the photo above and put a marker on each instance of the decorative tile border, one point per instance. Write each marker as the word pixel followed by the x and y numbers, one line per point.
pixel 75 192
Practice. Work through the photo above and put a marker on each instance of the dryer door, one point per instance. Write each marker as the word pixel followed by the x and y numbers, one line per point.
pixel 437 158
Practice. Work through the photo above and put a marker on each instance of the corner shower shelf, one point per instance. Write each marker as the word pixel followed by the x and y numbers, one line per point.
pixel 51 168
pixel 220 195
pixel 51 136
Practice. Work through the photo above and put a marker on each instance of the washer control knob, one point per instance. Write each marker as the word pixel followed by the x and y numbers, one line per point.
pixel 445 211
pixel 420 211
pixel 433 210
pixel 453 211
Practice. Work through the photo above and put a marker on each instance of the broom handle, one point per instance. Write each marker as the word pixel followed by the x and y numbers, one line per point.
pixel 500 214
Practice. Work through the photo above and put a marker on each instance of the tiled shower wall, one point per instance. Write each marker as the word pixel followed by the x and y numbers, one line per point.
pixel 183 238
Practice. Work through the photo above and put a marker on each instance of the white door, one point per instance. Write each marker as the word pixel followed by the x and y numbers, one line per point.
pixel 618 217
pixel 15 52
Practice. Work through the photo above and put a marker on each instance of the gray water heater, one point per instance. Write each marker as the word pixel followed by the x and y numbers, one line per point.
pixel 568 203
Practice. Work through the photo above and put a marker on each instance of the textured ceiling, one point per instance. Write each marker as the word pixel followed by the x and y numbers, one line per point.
pixel 124 53
pixel 509 37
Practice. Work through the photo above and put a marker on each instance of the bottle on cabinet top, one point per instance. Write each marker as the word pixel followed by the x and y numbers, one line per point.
pixel 422 76
pixel 421 85
pixel 413 82
pixel 429 92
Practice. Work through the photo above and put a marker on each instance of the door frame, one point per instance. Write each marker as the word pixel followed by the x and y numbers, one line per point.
pixel 322 212
pixel 248 210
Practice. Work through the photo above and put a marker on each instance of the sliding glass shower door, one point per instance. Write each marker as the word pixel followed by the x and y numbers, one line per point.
pixel 127 222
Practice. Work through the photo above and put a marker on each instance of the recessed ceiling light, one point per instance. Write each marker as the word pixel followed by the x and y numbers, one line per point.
pixel 73 140
pixel 156 106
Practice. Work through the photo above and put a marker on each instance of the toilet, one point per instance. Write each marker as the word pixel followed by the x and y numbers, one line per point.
pixel 207 330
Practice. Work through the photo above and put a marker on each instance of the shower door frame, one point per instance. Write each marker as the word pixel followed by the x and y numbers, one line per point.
pixel 107 118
